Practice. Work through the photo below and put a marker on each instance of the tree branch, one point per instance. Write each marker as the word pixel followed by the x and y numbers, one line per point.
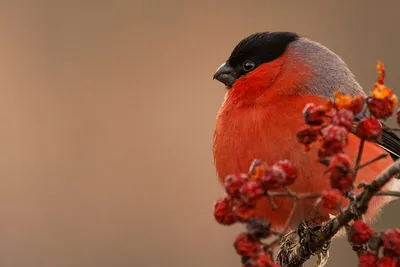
pixel 388 193
pixel 313 239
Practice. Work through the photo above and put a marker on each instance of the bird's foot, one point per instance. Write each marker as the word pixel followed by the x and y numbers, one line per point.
pixel 288 243
pixel 323 257
pixel 302 237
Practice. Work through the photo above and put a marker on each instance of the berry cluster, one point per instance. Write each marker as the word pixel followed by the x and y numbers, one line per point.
pixel 243 190
pixel 383 249
pixel 329 125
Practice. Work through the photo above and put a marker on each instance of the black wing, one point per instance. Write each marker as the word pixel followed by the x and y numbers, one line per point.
pixel 390 141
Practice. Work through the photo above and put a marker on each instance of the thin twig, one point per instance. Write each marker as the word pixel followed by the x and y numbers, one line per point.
pixel 358 160
pixel 287 225
pixel 283 233
pixel 290 192
pixel 278 194
pixel 295 196
pixel 388 193
pixel 271 201
pixel 309 196
pixel 369 162
pixel 381 156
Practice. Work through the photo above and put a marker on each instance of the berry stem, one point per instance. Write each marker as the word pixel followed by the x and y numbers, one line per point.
pixel 381 156
pixel 278 194
pixel 295 196
pixel 310 196
pixel 271 200
pixel 287 225
pixel 358 160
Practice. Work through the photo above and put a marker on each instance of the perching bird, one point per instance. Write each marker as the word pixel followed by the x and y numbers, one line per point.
pixel 270 77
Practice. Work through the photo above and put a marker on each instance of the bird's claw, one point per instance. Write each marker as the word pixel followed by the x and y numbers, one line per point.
pixel 302 237
pixel 323 257
pixel 288 244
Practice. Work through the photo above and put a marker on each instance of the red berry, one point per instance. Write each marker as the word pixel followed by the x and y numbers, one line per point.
pixel 389 253
pixel 381 108
pixel 357 104
pixel 243 212
pixel 343 118
pixel 367 260
pixel 251 191
pixel 233 183
pixel 289 169
pixel 246 245
pixel 360 232
pixel 391 241
pixel 262 259
pixel 341 181
pixel 369 129
pixel 223 211
pixel 386 262
pixel 341 177
pixel 341 161
pixel 273 178
pixel 313 115
pixel 307 136
pixel 330 199
pixel 334 139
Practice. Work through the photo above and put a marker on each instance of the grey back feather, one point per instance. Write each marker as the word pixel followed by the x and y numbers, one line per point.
pixel 329 72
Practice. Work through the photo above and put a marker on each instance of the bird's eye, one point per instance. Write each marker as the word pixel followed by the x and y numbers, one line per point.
pixel 248 65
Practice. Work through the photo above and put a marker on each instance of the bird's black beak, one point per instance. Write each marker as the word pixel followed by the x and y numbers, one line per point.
pixel 226 75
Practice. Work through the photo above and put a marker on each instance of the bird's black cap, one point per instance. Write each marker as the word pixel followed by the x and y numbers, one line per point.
pixel 263 46
pixel 252 51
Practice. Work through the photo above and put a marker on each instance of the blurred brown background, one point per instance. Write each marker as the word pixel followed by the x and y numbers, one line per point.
pixel 107 114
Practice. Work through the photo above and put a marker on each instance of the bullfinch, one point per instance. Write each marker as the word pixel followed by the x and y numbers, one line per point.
pixel 270 77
